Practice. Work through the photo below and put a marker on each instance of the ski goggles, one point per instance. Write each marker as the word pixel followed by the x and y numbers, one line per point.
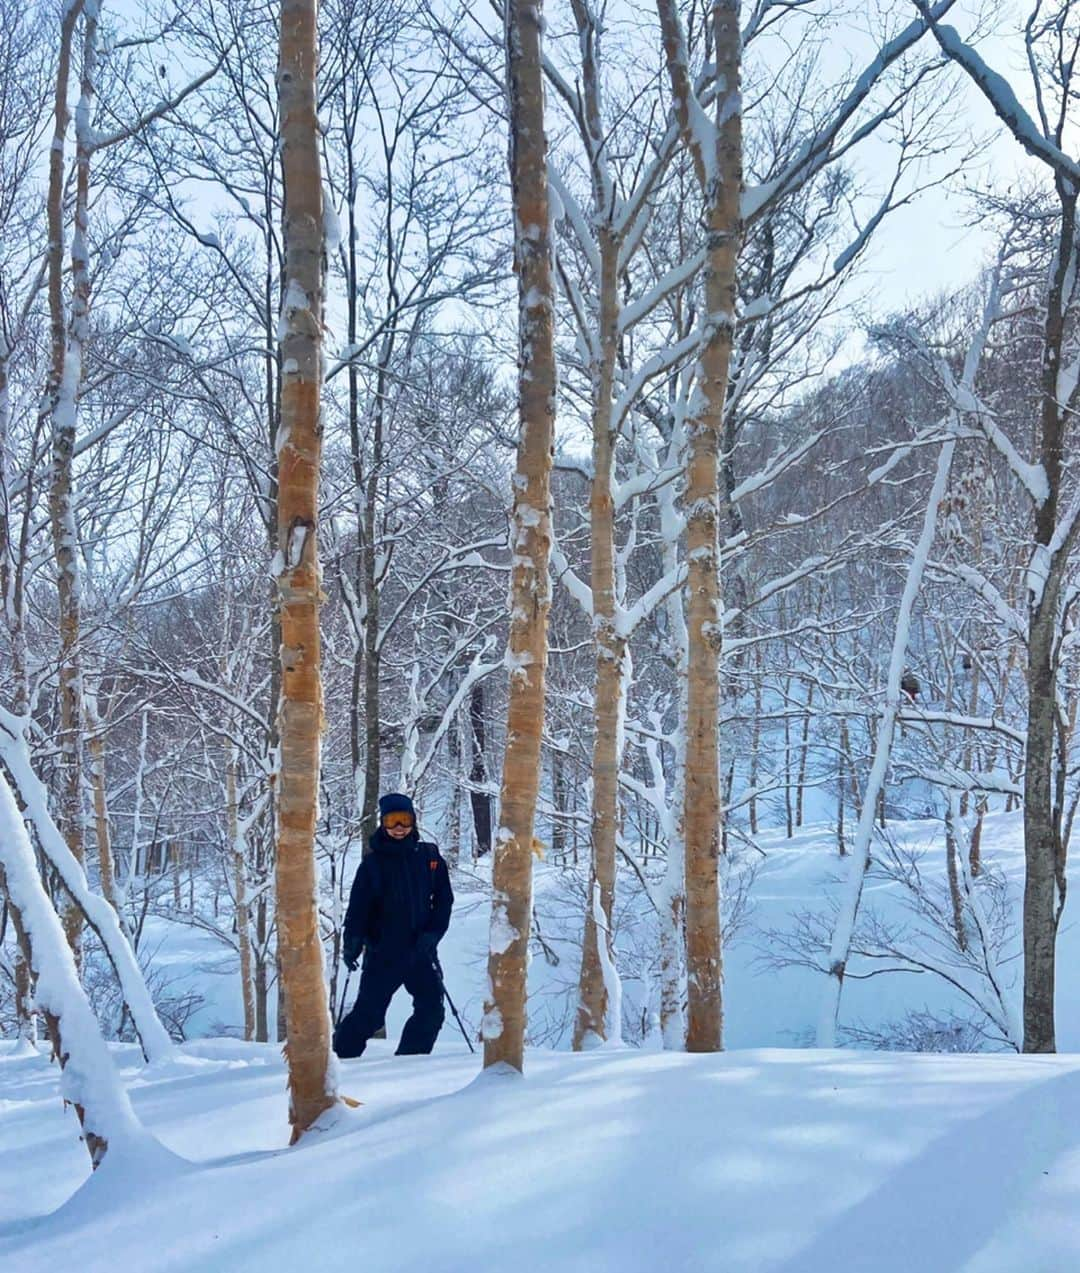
pixel 398 819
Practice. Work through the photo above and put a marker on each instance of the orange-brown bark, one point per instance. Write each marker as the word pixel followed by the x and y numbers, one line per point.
pixel 530 598
pixel 611 653
pixel 300 710
pixel 60 392
pixel 718 165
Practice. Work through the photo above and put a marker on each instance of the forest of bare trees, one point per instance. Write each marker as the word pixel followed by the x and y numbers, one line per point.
pixel 499 404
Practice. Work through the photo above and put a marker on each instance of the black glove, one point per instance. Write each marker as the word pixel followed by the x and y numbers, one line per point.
pixel 427 944
pixel 350 953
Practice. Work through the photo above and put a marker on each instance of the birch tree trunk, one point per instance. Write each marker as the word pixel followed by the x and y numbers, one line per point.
pixel 102 918
pixel 859 861
pixel 530 591
pixel 1046 139
pixel 90 1080
pixel 479 800
pixel 372 644
pixel 25 1021
pixel 1044 761
pixel 312 1077
pixel 592 1024
pixel 95 745
pixel 65 374
pixel 243 917
pixel 717 154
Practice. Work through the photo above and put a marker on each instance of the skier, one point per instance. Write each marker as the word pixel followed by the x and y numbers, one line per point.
pixel 399 909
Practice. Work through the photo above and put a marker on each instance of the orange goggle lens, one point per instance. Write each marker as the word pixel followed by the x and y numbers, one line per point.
pixel 394 820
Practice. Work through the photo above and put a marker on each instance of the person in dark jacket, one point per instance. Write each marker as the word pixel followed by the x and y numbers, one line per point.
pixel 399 909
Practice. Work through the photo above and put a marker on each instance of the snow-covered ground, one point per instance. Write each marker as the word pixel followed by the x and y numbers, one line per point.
pixel 765 1005
pixel 800 1161
pixel 770 1157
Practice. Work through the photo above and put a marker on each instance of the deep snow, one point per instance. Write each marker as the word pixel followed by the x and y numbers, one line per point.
pixel 763 1159
pixel 748 1162
pixel 764 1006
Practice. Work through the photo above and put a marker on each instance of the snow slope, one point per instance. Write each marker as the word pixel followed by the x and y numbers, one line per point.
pixel 748 1162
pixel 765 1006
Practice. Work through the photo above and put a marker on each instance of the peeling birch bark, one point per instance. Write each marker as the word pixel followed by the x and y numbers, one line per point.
pixel 530 591
pixel 312 1073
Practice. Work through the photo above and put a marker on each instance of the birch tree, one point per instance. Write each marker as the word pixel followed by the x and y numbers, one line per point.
pixel 1052 37
pixel 90 1080
pixel 511 907
pixel 716 149
pixel 312 1084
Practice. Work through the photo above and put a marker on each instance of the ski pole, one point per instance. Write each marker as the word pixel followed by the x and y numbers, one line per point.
pixel 344 998
pixel 446 994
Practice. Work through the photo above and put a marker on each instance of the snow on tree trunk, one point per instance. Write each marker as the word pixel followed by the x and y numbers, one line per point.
pixel 61 392
pixel 238 846
pixel 479 798
pixel 371 634
pixel 1044 851
pixel 590 1026
pixel 1044 759
pixel 673 886
pixel 312 1073
pixel 859 860
pixel 1055 534
pixel 25 1020
pixel 530 592
pixel 97 911
pixel 89 1081
pixel 95 745
pixel 716 149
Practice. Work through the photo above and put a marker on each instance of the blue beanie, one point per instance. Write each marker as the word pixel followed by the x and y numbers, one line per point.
pixel 395 802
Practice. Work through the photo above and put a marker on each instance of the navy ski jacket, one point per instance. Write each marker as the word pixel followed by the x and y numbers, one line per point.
pixel 401 889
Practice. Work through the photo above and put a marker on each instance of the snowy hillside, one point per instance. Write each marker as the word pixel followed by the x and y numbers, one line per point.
pixel 751 1162
pixel 623 1159
pixel 765 1005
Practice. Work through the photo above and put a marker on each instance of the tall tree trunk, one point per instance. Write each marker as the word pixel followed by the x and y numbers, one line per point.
pixel 789 818
pixel 530 587
pixel 359 738
pixel 952 872
pixel 102 830
pixel 299 449
pixel 591 1025
pixel 1044 845
pixel 1044 850
pixel 804 752
pixel 479 797
pixel 755 744
pixel 372 706
pixel 12 606
pixel 559 804
pixel 238 849
pixel 859 860
pixel 62 389
pixel 262 1025
pixel 718 167
pixel 281 1007
pixel 454 739
pixel 974 753
pixel 672 915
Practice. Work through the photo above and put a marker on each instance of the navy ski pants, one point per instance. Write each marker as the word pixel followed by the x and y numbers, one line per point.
pixel 379 982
